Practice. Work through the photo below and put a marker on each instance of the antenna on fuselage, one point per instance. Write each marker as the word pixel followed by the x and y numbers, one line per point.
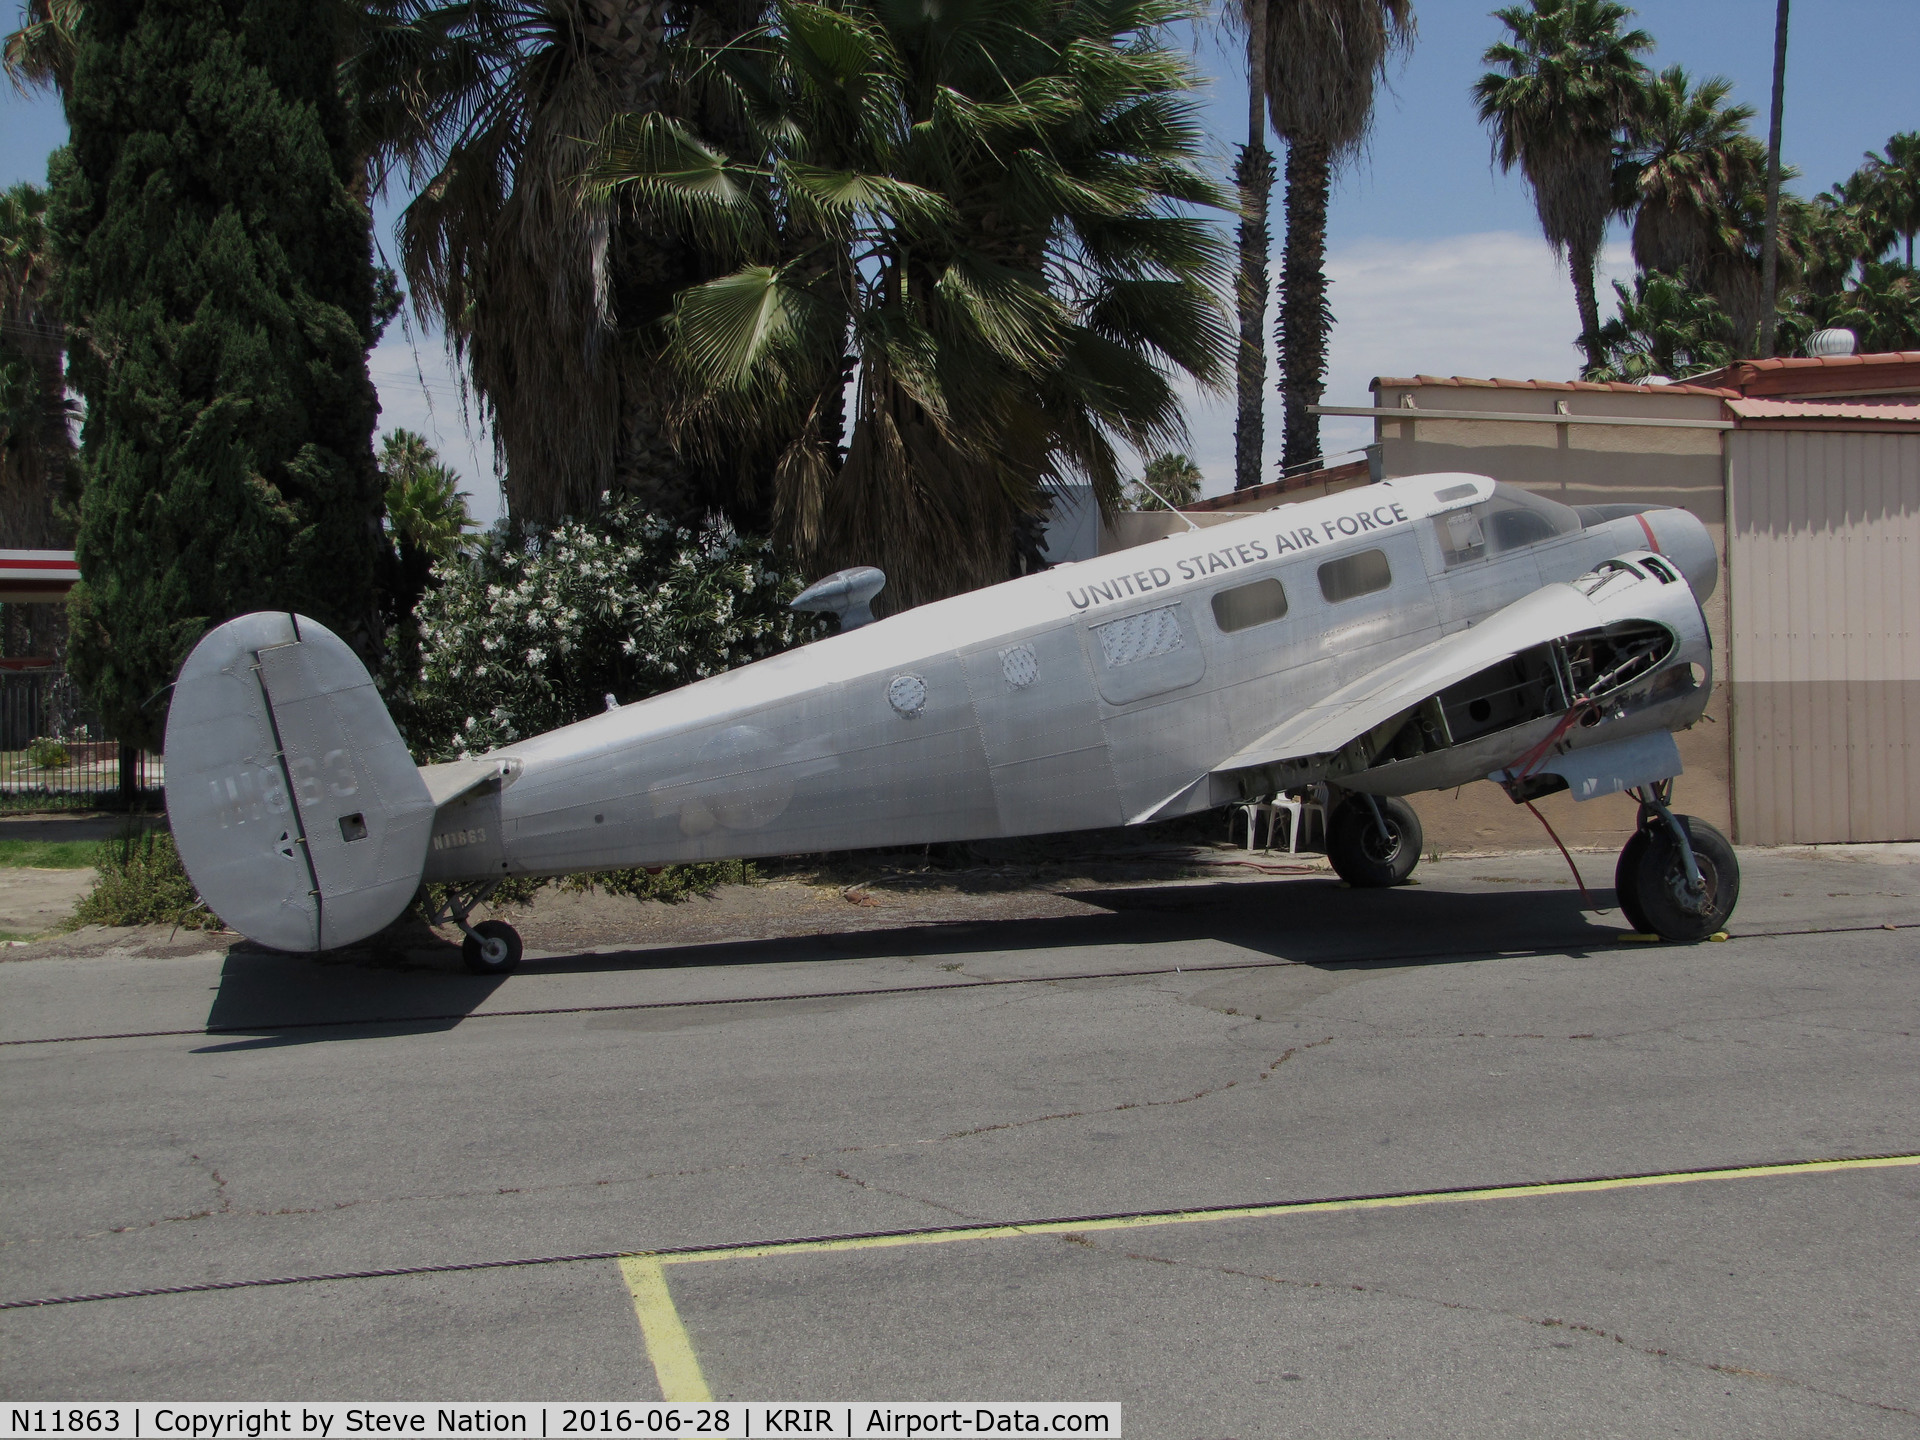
pixel 1168 503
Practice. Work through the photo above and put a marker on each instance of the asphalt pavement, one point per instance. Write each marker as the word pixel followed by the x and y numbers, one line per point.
pixel 1167 1076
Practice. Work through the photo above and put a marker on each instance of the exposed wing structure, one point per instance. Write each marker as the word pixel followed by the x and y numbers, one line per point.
pixel 1329 724
pixel 1617 654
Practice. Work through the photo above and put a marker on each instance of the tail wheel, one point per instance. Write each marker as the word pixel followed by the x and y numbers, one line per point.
pixel 1625 882
pixel 492 949
pixel 1673 909
pixel 1372 854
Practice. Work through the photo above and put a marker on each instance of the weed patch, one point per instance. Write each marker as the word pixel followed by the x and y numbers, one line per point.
pixel 141 882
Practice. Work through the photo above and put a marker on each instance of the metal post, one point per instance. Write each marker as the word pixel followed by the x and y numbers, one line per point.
pixel 129 777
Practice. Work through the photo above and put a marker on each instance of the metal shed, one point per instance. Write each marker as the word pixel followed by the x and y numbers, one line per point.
pixel 1823 556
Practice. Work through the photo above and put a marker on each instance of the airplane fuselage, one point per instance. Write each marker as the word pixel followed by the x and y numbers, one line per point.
pixel 1094 694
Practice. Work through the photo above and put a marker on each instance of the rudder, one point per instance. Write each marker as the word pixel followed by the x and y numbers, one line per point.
pixel 298 813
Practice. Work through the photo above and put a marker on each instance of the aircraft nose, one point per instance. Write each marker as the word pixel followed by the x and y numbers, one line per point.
pixel 1681 537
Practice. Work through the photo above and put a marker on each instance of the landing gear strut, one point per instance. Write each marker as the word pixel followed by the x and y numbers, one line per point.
pixel 1374 843
pixel 492 947
pixel 1677 876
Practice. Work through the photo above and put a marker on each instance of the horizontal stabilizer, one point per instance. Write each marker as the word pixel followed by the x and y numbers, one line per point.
pixel 297 811
pixel 454 778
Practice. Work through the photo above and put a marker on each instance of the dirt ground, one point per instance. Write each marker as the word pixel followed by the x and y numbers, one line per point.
pixel 863 893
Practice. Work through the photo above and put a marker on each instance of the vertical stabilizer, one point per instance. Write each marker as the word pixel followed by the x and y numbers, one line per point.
pixel 296 808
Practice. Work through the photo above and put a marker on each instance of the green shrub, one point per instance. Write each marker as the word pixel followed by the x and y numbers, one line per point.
pixel 141 882
pixel 48 753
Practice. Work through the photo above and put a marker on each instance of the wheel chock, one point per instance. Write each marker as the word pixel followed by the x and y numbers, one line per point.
pixel 1641 937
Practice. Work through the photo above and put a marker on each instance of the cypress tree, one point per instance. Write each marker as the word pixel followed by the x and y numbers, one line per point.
pixel 219 290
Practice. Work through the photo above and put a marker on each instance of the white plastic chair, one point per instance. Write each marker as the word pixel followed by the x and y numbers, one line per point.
pixel 1297 808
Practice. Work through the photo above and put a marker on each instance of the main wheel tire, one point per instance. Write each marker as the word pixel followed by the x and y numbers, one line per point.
pixel 492 949
pixel 1361 855
pixel 1661 888
pixel 1626 882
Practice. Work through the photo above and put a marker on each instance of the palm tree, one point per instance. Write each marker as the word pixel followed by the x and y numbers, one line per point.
pixel 551 302
pixel 1171 480
pixel 1883 310
pixel 40 53
pixel 1253 175
pixel 1695 182
pixel 984 202
pixel 1569 81
pixel 1770 224
pixel 37 470
pixel 1324 58
pixel 426 522
pixel 1896 177
pixel 36 444
pixel 1688 157
pixel 1666 328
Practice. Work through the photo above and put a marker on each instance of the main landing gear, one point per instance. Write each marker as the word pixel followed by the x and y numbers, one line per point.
pixel 1373 842
pixel 1677 876
pixel 492 947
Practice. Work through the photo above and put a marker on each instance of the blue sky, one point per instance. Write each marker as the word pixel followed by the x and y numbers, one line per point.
pixel 1434 257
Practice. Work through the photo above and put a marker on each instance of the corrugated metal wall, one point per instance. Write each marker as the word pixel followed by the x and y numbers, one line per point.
pixel 1823 538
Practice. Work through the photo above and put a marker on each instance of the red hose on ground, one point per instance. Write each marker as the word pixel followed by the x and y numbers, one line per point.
pixel 1564 855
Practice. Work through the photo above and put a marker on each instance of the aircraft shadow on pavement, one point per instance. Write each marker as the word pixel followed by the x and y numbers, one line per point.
pixel 266 999
pixel 1312 922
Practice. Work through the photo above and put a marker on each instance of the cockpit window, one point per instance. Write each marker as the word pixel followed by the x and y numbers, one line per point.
pixel 1511 520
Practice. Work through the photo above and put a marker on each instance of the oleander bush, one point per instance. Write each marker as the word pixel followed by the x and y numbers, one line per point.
pixel 527 633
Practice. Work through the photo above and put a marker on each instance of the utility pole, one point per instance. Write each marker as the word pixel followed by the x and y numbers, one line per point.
pixel 1770 243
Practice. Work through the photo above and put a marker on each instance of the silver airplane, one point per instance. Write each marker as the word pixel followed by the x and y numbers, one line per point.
pixel 1410 635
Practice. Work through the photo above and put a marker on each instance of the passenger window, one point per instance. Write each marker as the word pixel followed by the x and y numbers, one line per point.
pixel 1354 575
pixel 1245 606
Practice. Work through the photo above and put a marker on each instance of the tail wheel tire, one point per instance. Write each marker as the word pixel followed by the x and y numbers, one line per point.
pixel 1626 880
pixel 1672 911
pixel 492 949
pixel 1364 856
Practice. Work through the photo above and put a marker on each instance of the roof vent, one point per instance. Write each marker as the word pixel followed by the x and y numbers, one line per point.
pixel 1825 343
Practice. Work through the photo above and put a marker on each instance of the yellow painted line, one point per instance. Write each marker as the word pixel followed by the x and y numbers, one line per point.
pixel 668 1346
pixel 1196 1217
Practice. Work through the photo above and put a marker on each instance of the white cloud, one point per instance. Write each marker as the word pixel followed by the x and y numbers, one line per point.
pixel 420 391
pixel 1493 304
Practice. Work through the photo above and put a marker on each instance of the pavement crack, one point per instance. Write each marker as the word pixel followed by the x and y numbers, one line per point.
pixel 931 1204
pixel 1543 1322
pixel 1265 1074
